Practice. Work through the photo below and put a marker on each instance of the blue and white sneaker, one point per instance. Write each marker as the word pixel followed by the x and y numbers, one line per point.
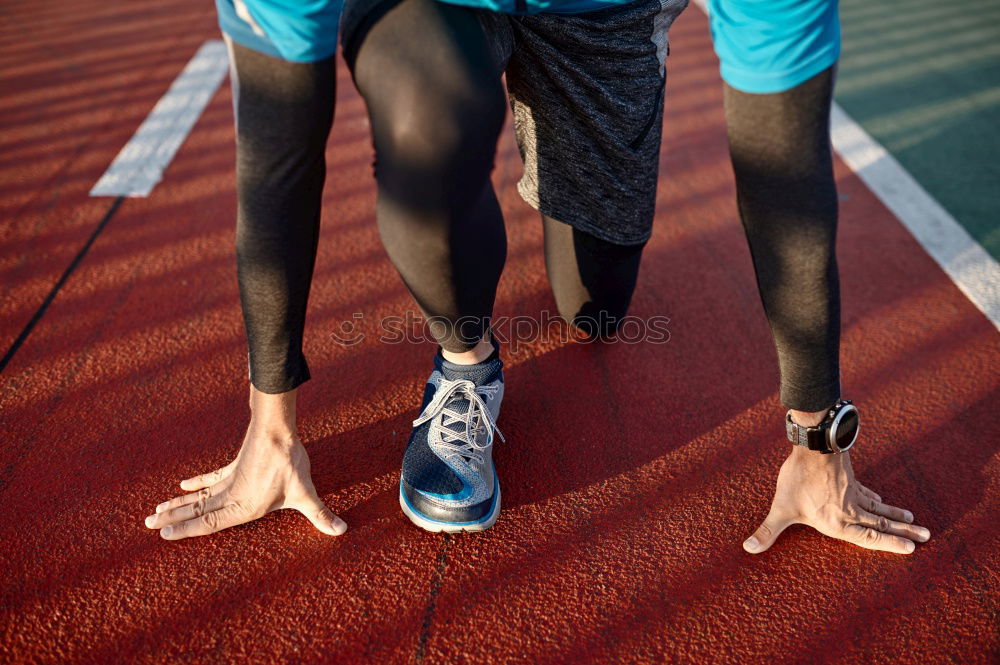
pixel 449 482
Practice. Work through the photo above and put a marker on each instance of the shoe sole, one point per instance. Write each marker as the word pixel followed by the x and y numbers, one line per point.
pixel 437 526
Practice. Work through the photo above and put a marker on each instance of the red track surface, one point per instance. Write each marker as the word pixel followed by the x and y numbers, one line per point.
pixel 631 472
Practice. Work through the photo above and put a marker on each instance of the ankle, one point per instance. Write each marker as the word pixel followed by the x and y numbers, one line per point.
pixel 475 355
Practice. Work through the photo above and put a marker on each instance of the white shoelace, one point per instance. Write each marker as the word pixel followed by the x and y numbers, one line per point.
pixel 477 418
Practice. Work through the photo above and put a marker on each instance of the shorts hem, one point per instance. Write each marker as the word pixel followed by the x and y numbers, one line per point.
pixel 243 34
pixel 584 225
pixel 764 84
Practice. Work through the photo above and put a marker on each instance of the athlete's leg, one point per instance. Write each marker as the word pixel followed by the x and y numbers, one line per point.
pixel 780 148
pixel 437 106
pixel 284 113
pixel 432 86
pixel 587 94
pixel 592 279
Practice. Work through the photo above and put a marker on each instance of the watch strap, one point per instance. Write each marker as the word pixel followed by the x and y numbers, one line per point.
pixel 813 438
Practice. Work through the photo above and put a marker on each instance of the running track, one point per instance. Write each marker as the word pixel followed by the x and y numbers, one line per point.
pixel 631 472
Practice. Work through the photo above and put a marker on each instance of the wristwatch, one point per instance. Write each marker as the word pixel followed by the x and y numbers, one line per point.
pixel 836 434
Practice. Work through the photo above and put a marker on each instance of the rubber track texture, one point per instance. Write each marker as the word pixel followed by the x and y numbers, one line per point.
pixel 632 472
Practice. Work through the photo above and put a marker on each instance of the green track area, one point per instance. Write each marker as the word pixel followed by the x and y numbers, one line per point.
pixel 923 78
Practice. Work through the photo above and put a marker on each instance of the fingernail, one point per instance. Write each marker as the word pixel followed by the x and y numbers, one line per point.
pixel 339 525
pixel 924 534
pixel 160 508
pixel 907 515
pixel 166 531
pixel 150 521
pixel 909 546
pixel 751 544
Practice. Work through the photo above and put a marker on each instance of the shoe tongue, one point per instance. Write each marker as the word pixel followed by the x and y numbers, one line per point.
pixel 479 374
pixel 461 405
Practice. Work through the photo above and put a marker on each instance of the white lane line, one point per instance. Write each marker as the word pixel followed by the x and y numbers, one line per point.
pixel 973 270
pixel 970 267
pixel 141 163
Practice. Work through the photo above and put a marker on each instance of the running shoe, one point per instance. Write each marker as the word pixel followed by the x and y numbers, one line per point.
pixel 448 481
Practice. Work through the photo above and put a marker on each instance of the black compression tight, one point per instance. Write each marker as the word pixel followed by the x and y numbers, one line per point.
pixel 787 197
pixel 284 112
pixel 437 106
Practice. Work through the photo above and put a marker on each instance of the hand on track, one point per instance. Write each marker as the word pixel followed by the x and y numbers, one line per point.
pixel 271 472
pixel 821 491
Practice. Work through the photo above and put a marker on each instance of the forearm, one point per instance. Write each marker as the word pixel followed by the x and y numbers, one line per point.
pixel 780 149
pixel 284 113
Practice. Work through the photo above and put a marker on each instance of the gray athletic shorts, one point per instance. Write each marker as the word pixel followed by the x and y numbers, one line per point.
pixel 587 95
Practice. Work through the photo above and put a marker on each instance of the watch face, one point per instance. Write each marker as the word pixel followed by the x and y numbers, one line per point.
pixel 846 430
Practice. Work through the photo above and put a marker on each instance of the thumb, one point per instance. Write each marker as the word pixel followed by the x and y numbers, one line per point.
pixel 321 517
pixel 766 533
